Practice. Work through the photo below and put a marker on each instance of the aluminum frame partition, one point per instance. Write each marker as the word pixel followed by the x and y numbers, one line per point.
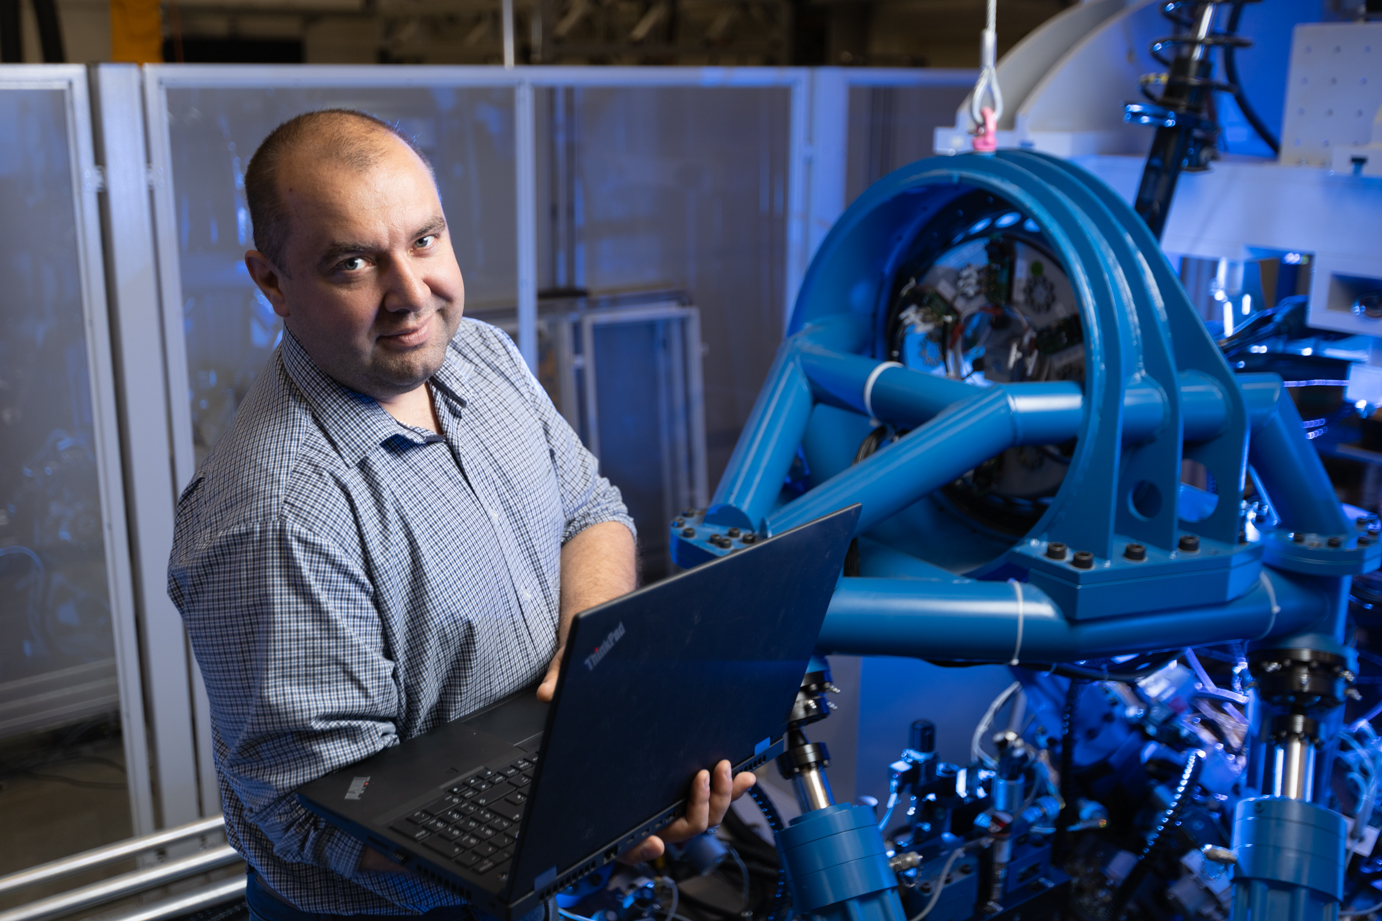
pixel 829 122
pixel 695 476
pixel 185 771
pixel 88 182
pixel 796 79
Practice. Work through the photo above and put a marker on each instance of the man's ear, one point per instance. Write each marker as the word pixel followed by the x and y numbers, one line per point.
pixel 269 279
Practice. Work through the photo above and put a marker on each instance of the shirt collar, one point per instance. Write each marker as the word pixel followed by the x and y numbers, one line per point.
pixel 452 379
pixel 355 424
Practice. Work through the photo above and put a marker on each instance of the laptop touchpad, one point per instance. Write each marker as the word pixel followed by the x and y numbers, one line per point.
pixel 516 720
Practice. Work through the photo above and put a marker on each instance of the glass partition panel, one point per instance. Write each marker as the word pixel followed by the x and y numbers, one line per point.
pixel 230 329
pixel 625 372
pixel 63 786
pixel 891 126
pixel 674 187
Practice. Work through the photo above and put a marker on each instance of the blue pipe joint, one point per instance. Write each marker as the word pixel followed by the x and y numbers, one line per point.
pixel 837 866
pixel 1291 860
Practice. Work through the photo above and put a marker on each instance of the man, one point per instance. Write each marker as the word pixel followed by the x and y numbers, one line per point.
pixel 396 531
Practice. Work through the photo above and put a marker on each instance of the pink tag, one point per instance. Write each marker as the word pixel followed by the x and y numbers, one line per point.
pixel 986 140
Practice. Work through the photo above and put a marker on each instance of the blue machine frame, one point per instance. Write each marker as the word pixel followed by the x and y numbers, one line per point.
pixel 1156 392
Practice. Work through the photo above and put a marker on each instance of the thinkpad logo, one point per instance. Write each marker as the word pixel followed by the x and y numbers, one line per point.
pixel 603 649
pixel 357 788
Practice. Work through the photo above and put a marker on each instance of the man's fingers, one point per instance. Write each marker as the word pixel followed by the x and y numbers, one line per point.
pixel 650 848
pixel 711 794
pixel 548 688
pixel 721 792
pixel 697 817
pixel 370 859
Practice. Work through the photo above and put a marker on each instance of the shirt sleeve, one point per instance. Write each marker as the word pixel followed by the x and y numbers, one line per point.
pixel 290 645
pixel 587 498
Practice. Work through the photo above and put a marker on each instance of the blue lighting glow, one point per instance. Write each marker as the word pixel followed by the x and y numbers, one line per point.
pixel 980 225
pixel 1007 220
pixel 1030 226
pixel 1291 258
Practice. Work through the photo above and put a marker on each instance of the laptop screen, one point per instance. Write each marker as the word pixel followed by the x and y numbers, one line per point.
pixel 670 679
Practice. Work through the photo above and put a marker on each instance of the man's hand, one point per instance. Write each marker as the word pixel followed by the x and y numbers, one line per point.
pixel 711 794
pixel 597 565
pixel 370 859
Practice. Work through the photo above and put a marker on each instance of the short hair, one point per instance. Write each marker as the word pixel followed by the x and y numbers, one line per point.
pixel 335 135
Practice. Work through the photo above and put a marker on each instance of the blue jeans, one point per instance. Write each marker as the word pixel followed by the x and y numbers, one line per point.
pixel 265 905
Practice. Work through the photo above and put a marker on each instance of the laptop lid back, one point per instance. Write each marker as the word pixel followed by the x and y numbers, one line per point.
pixel 670 679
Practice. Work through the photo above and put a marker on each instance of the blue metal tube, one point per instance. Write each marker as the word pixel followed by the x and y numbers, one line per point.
pixel 901 396
pixel 1261 390
pixel 1051 411
pixel 922 461
pixel 1203 406
pixel 753 478
pixel 977 621
pixel 1291 471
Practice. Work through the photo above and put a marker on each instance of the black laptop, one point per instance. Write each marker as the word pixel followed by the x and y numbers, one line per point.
pixel 515 802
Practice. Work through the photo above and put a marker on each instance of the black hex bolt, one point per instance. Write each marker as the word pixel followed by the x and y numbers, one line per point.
pixel 680 522
pixel 1083 559
pixel 1055 550
pixel 688 532
pixel 1335 541
pixel 1136 552
pixel 1298 537
pixel 1364 540
pixel 1189 543
pixel 734 532
pixel 749 538
pixel 688 512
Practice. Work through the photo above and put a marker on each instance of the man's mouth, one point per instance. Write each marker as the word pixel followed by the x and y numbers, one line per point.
pixel 412 336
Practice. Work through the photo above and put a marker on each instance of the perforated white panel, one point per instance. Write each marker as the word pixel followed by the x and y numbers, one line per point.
pixel 1333 92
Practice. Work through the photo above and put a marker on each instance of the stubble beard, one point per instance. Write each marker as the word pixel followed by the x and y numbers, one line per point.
pixel 394 373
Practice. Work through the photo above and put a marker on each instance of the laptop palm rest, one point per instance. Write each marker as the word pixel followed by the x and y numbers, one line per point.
pixel 514 719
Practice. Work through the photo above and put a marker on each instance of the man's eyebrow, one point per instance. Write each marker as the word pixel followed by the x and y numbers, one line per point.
pixel 435 225
pixel 338 248
pixel 341 248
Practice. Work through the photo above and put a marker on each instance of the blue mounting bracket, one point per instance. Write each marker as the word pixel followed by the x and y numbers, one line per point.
pixel 1140 580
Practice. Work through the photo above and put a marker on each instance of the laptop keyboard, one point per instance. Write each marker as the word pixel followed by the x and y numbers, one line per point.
pixel 475 825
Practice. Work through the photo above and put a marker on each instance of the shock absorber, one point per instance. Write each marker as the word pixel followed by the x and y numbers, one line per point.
pixel 833 853
pixel 1290 852
pixel 1186 132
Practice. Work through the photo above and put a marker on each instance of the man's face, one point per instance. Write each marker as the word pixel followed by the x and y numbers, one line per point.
pixel 370 287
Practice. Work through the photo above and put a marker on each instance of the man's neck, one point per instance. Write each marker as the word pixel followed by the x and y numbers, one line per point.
pixel 414 408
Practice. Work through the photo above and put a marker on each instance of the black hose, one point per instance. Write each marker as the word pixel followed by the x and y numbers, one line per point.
pixel 749 843
pixel 1231 72
pixel 1152 664
pixel 1128 672
pixel 765 805
pixel 1067 771
pixel 709 908
pixel 1168 819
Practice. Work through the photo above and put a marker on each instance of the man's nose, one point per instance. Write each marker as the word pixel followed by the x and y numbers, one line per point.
pixel 407 290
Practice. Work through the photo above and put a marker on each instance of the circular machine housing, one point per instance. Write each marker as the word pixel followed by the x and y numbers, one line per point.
pixel 980 297
pixel 1012 269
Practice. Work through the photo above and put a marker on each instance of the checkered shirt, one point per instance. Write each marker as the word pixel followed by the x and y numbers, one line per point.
pixel 348 582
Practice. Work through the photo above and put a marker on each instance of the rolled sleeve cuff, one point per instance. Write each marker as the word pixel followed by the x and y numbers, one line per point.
pixel 593 517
